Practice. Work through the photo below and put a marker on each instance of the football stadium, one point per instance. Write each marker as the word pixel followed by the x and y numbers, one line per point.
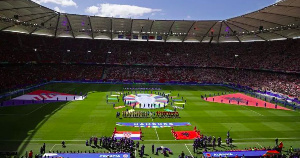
pixel 75 85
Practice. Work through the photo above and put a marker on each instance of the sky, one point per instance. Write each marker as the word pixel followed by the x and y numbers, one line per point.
pixel 158 9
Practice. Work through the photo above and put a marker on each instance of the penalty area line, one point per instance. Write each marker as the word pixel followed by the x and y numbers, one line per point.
pixel 25 114
pixel 189 150
pixel 259 145
pixel 37 109
pixel 252 110
pixel 53 146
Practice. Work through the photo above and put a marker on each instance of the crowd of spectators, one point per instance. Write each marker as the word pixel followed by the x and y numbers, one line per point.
pixel 19 76
pixel 27 60
pixel 272 55
pixel 278 82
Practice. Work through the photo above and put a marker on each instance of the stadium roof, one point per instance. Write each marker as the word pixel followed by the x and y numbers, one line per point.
pixel 275 22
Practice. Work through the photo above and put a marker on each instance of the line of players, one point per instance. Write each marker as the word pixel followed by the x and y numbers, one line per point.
pixel 123 145
pixel 112 144
pixel 148 114
pixel 205 141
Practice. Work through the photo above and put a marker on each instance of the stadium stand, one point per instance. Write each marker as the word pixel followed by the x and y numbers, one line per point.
pixel 261 65
pixel 256 51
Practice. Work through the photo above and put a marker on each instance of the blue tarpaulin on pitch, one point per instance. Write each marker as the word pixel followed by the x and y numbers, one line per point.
pixel 153 124
pixel 88 155
pixel 255 153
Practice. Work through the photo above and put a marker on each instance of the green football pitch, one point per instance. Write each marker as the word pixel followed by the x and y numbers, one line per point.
pixel 25 128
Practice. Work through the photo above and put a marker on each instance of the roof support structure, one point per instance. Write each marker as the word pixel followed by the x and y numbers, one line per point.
pixel 237 26
pixel 20 8
pixel 33 31
pixel 263 20
pixel 232 31
pixel 208 31
pixel 35 14
pixel 280 15
pixel 111 28
pixel 49 19
pixel 33 17
pixel 219 32
pixel 244 24
pixel 70 26
pixel 279 34
pixel 23 21
pixel 56 28
pixel 255 27
pixel 288 6
pixel 7 27
pixel 246 30
pixel 38 18
pixel 150 29
pixel 92 31
pixel 169 31
pixel 187 33
pixel 130 30
pixel 44 23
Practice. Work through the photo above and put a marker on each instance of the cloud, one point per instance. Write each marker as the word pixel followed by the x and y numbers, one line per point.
pixel 119 11
pixel 92 10
pixel 64 3
pixel 59 10
pixel 277 1
pixel 188 17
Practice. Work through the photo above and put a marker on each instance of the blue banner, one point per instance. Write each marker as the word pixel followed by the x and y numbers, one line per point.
pixel 144 37
pixel 254 153
pixel 87 155
pixel 135 37
pixel 153 124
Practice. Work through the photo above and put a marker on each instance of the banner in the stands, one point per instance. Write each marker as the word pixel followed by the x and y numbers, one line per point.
pixel 87 155
pixel 254 153
pixel 153 124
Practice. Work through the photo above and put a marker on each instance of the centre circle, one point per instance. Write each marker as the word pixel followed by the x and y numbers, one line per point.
pixel 146 101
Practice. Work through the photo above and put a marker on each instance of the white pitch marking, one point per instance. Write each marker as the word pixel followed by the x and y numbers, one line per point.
pixel 36 109
pixel 53 146
pixel 259 144
pixel 189 151
pixel 24 114
pixel 156 132
pixel 252 111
